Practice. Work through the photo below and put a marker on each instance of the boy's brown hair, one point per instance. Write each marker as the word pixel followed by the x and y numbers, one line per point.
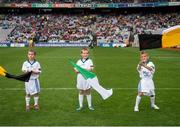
pixel 31 50
pixel 84 49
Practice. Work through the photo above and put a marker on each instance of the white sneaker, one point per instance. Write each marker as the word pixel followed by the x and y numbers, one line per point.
pixel 136 109
pixel 155 107
pixel 79 109
pixel 91 108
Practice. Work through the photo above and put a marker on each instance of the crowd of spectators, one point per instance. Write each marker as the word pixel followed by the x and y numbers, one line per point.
pixel 113 26
pixel 82 28
pixel 51 28
pixel 84 1
pixel 145 1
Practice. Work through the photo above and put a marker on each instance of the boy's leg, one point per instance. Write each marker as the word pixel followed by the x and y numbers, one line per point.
pixel 36 100
pixel 89 99
pixel 138 99
pixel 81 96
pixel 28 96
pixel 27 99
pixel 36 90
pixel 152 98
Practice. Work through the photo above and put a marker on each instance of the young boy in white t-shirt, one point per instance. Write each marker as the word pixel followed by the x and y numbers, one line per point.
pixel 84 88
pixel 146 71
pixel 32 87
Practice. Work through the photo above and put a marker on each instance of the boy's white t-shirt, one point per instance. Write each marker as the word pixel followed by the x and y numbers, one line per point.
pixel 81 81
pixel 32 65
pixel 85 63
pixel 145 73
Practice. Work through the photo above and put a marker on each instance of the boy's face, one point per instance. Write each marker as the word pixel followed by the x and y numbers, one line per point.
pixel 84 54
pixel 144 57
pixel 31 55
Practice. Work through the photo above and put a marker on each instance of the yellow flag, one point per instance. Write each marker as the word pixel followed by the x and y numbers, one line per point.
pixel 171 37
pixel 2 71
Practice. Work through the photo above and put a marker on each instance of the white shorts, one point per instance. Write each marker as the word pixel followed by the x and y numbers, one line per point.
pixel 146 86
pixel 32 87
pixel 82 83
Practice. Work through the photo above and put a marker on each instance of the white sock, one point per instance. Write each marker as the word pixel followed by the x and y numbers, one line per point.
pixel 89 100
pixel 138 99
pixel 27 100
pixel 36 100
pixel 81 100
pixel 152 100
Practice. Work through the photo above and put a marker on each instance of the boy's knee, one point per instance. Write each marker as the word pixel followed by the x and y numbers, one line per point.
pixel 88 92
pixel 81 92
pixel 34 95
pixel 140 94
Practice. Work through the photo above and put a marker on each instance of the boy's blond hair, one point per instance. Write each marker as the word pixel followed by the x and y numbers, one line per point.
pixel 31 50
pixel 84 49
pixel 143 52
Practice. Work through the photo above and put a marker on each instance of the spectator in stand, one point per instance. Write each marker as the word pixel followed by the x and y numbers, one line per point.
pixel 77 28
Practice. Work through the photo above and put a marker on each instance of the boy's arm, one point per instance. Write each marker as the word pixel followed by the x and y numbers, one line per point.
pixel 37 70
pixel 25 69
pixel 90 69
pixel 139 66
pixel 147 67
pixel 76 71
pixel 91 66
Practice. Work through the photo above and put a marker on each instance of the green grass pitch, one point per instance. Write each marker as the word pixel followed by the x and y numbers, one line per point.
pixel 115 68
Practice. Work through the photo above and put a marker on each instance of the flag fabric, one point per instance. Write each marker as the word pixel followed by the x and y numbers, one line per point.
pixel 169 38
pixel 93 81
pixel 2 71
pixel 23 77
pixel 149 41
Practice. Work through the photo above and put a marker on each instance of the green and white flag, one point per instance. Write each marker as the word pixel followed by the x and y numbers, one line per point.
pixel 93 81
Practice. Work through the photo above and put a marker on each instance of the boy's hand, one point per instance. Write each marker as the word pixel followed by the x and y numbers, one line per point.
pixel 141 63
pixel 27 70
pixel 76 71
pixel 90 69
pixel 36 71
pixel 144 65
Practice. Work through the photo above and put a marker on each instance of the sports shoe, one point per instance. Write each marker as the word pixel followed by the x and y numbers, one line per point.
pixel 36 107
pixel 91 108
pixel 136 109
pixel 155 107
pixel 79 108
pixel 27 108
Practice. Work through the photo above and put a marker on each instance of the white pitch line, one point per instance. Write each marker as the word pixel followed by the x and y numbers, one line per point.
pixel 167 57
pixel 20 89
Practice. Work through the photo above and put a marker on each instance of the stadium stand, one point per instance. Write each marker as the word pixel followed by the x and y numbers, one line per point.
pixel 48 24
pixel 84 1
pixel 56 28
